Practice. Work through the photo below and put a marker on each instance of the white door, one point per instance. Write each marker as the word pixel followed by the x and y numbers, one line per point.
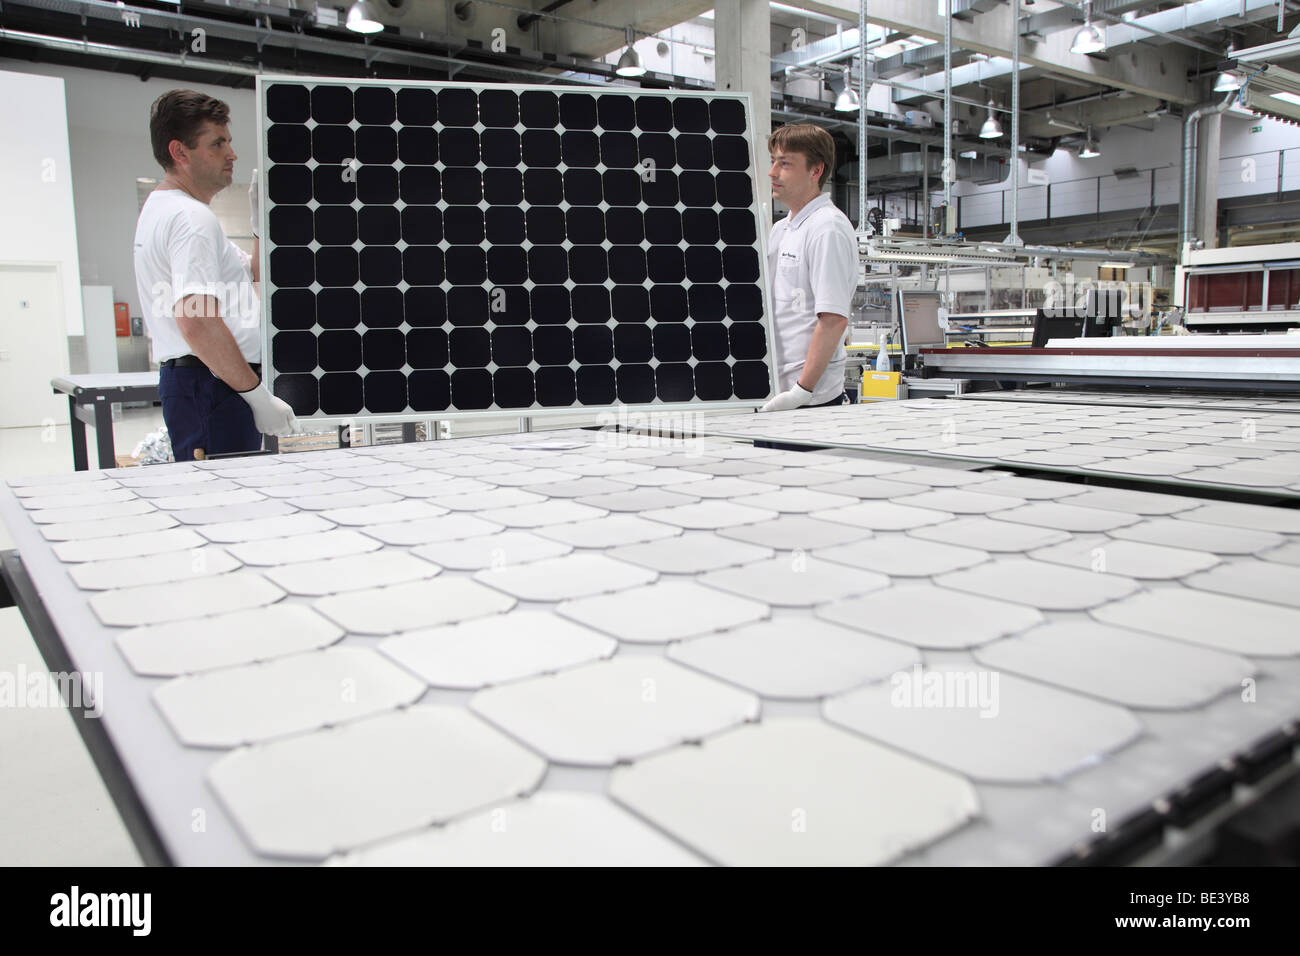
pixel 33 345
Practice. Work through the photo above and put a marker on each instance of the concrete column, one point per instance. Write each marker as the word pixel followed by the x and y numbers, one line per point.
pixel 743 42
pixel 1205 221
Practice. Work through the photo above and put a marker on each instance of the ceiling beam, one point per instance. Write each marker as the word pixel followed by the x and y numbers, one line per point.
pixel 590 40
pixel 1160 73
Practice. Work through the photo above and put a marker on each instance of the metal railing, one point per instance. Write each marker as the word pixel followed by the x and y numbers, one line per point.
pixel 1251 174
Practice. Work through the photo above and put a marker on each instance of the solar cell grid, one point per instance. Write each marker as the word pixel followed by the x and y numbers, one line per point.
pixel 443 248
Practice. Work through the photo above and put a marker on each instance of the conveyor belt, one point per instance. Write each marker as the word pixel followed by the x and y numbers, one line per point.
pixel 1144 398
pixel 1227 450
pixel 1264 369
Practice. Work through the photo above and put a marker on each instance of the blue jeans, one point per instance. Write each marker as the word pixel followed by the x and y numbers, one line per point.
pixel 202 411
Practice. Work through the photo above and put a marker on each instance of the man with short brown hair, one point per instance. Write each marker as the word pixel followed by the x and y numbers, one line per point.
pixel 197 290
pixel 812 259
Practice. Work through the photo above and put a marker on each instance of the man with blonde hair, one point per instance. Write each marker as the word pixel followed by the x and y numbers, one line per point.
pixel 812 258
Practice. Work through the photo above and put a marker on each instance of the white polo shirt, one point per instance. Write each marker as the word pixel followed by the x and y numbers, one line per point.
pixel 812 258
pixel 180 249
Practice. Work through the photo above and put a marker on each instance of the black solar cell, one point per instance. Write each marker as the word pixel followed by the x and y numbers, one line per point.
pixel 442 248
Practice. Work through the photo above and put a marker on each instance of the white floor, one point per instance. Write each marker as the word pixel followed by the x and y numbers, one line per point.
pixel 54 810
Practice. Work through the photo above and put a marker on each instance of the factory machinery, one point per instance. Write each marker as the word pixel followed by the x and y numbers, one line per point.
pixel 985 317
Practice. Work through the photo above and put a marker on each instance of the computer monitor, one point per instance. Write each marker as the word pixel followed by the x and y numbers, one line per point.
pixel 1097 314
pixel 1057 324
pixel 918 319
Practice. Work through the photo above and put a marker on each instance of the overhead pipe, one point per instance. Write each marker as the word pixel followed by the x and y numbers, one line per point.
pixel 1013 238
pixel 1064 252
pixel 862 117
pixel 1137 257
pixel 528 19
pixel 67 45
pixel 491 65
pixel 1190 126
pixel 948 169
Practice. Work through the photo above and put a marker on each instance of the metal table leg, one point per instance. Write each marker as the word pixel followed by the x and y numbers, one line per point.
pixel 104 434
pixel 79 462
pixel 18 585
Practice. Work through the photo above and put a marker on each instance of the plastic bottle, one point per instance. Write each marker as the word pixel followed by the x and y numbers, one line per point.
pixel 882 357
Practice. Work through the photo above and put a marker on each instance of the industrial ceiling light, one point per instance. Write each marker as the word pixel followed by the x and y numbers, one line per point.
pixel 1089 149
pixel 1089 38
pixel 629 64
pixel 361 19
pixel 847 101
pixel 991 129
pixel 1227 82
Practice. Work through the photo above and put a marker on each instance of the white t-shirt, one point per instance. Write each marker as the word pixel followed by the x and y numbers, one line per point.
pixel 180 249
pixel 812 258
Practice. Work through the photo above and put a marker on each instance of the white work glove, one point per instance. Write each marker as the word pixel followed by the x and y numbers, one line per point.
pixel 797 397
pixel 272 416
pixel 255 205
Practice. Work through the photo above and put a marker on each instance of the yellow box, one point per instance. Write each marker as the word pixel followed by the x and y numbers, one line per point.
pixel 880 385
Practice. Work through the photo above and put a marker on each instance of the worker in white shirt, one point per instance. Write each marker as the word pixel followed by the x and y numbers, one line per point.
pixel 812 259
pixel 197 289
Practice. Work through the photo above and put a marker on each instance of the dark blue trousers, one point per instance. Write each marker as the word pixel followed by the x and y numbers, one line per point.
pixel 202 411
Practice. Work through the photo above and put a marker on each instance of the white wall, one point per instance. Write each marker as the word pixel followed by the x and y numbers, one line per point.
pixel 101 334
pixel 36 195
pixel 108 132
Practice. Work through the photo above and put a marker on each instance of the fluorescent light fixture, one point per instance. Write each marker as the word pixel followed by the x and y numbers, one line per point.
pixel 969 154
pixel 805 14
pixel 629 64
pixel 1227 82
pixel 1117 265
pixel 991 129
pixel 1287 98
pixel 1089 38
pixel 361 19
pixel 847 100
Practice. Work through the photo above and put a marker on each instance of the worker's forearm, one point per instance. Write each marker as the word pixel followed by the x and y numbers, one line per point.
pixel 256 265
pixel 210 340
pixel 825 340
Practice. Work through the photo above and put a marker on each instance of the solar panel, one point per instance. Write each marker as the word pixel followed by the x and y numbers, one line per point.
pixel 470 249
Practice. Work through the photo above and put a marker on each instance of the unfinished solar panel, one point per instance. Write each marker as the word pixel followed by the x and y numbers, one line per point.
pixel 446 248
pixel 673 670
